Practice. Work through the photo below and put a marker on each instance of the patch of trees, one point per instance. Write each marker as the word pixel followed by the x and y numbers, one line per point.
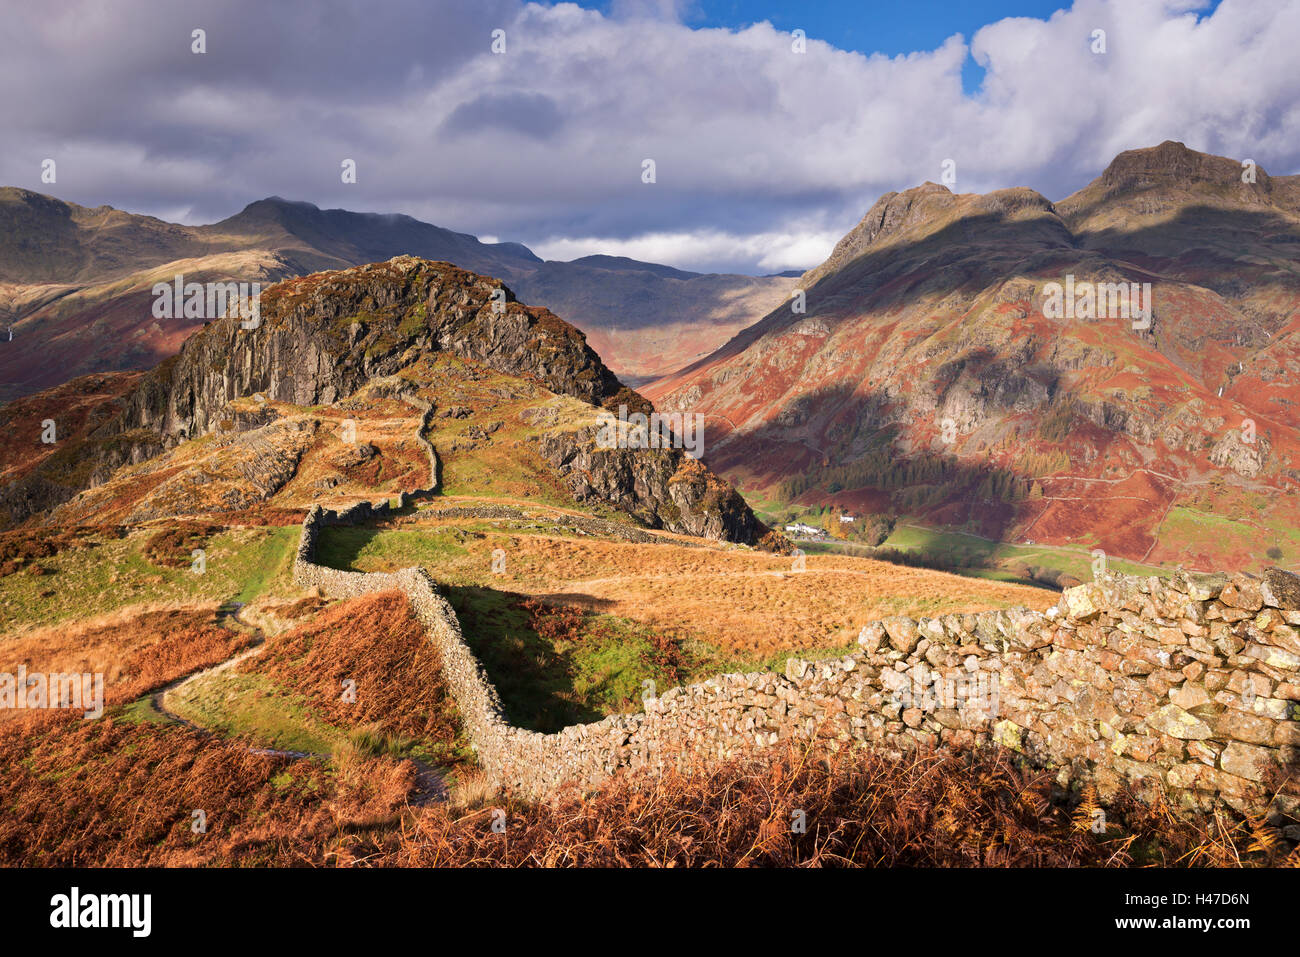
pixel 882 468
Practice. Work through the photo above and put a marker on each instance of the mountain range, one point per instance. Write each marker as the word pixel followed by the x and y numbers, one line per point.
pixel 76 283
pixel 931 375
pixel 927 375
pixel 400 547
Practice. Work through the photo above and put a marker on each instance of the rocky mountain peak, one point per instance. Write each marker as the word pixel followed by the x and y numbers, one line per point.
pixel 322 336
pixel 1172 164
pixel 892 213
pixel 274 209
pixel 923 211
pixel 930 314
pixel 1160 178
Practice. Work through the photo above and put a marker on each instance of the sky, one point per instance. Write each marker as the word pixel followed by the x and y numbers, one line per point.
pixel 765 152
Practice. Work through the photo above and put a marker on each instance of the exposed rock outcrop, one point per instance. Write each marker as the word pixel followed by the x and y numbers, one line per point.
pixel 324 335
pixel 664 488
pixel 319 339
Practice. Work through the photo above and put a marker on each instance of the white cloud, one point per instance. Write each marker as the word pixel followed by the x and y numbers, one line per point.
pixel 704 251
pixel 761 153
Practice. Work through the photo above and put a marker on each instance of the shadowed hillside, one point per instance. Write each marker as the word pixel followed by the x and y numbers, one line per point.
pixel 932 378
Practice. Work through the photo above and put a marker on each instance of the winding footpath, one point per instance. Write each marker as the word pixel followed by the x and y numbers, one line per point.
pixel 430 781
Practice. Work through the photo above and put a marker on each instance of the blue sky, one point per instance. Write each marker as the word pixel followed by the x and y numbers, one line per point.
pixel 764 155
pixel 867 27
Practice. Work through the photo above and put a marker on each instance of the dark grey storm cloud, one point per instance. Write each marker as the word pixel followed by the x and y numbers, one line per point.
pixel 530 114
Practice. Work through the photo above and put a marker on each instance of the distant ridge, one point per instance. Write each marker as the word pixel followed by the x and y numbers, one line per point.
pixel 75 283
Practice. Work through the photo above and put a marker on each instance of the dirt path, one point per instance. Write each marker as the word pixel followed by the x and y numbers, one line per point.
pixel 430 782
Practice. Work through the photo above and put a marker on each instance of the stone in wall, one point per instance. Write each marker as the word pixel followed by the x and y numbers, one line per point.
pixel 1190 685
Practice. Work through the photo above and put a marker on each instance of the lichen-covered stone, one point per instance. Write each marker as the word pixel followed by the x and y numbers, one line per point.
pixel 1080 602
pixel 1280 589
pixel 1177 723
pixel 1243 593
pixel 1246 760
pixel 902 632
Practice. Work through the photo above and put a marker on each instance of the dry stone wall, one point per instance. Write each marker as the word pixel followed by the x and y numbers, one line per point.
pixel 426 416
pixel 1190 684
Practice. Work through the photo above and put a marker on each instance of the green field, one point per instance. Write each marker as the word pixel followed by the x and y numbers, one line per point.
pixel 86 581
pixel 1268 541
pixel 250 707
pixel 557 667
pixel 974 554
pixel 366 549
pixel 977 557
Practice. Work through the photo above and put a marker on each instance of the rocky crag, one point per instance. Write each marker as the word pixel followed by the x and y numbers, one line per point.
pixel 320 338
pixel 663 488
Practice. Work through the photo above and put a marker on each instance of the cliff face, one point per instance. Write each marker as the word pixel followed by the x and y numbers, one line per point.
pixel 320 338
pixel 664 488
pixel 1163 178
pixel 36 475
